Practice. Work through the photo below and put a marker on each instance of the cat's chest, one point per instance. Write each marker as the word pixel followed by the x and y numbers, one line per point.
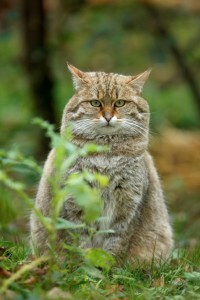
pixel 103 164
pixel 110 165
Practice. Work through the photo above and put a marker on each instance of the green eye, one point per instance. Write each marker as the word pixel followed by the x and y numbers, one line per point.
pixel 95 103
pixel 119 103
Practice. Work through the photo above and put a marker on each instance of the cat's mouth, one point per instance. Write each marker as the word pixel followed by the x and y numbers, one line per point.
pixel 109 125
pixel 108 128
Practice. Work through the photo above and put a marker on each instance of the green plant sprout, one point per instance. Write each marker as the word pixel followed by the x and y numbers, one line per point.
pixel 77 184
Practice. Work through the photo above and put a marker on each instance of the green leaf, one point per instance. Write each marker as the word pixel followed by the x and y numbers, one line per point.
pixel 14 185
pixel 99 258
pixel 65 224
pixel 102 179
pixel 92 148
pixel 93 272
pixel 193 277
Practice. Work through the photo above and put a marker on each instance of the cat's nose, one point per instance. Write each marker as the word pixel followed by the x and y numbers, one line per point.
pixel 108 116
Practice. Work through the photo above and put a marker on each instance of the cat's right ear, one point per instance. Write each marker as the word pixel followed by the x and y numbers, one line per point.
pixel 78 76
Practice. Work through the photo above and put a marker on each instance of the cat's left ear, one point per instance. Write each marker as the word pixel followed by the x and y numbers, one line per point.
pixel 79 77
pixel 138 81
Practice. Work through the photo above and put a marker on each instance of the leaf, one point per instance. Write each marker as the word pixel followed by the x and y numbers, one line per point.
pixel 102 179
pixel 39 271
pixel 86 197
pixel 71 148
pixel 64 224
pixel 93 272
pixel 99 258
pixel 193 277
pixel 117 292
pixel 159 282
pixel 5 273
pixel 30 281
pixel 92 148
pixel 14 185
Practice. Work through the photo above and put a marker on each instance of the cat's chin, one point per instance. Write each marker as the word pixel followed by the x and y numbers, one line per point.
pixel 108 130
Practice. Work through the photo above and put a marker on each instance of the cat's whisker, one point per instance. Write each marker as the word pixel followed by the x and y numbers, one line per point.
pixel 144 130
pixel 133 129
pixel 141 128
pixel 134 124
pixel 137 129
pixel 80 128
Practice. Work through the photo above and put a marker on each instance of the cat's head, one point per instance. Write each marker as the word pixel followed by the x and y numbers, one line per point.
pixel 107 104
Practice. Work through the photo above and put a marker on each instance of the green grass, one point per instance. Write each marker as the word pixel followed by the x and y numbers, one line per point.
pixel 78 273
pixel 178 278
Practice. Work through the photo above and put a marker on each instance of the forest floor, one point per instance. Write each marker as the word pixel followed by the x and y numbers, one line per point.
pixel 177 157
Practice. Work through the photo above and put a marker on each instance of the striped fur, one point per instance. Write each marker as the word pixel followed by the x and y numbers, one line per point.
pixel 134 207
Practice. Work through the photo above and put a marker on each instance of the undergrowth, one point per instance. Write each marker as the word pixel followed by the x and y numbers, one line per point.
pixel 78 273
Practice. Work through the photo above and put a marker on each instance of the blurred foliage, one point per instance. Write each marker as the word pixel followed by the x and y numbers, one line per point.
pixel 79 186
pixel 110 36
pixel 89 273
pixel 99 35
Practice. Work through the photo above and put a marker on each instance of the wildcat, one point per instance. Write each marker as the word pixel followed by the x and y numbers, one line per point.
pixel 108 109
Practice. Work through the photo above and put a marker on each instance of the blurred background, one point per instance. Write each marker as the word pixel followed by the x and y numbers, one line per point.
pixel 38 37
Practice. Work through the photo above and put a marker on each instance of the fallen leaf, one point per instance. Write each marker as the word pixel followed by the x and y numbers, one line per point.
pixel 41 271
pixel 5 273
pixel 159 282
pixel 30 280
pixel 115 288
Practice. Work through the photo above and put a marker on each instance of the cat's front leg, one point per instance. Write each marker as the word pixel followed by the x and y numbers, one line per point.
pixel 77 236
pixel 123 223
pixel 117 242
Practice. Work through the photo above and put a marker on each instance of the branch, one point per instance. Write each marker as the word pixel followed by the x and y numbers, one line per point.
pixel 163 33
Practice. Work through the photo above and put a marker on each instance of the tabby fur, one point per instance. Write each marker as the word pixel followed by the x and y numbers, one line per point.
pixel 133 203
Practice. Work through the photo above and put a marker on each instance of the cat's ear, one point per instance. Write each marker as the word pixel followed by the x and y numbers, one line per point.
pixel 79 77
pixel 138 81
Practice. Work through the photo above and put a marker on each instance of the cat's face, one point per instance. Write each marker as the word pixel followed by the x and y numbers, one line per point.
pixel 108 104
